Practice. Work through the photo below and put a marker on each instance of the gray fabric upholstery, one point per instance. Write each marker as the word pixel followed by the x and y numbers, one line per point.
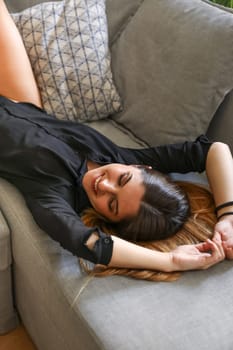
pixel 64 309
pixel 188 314
pixel 15 5
pixel 52 269
pixel 8 316
pixel 49 282
pixel 173 67
pixel 119 19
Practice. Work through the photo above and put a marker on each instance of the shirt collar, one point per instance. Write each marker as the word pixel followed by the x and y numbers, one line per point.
pixel 81 201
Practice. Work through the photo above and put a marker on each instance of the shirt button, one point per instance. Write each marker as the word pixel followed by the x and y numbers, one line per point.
pixel 107 240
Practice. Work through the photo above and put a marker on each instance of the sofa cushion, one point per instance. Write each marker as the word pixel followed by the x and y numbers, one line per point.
pixel 67 43
pixel 221 125
pixel 173 66
pixel 8 317
pixel 119 13
pixel 74 311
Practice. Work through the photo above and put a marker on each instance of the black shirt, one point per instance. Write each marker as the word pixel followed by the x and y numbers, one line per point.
pixel 45 158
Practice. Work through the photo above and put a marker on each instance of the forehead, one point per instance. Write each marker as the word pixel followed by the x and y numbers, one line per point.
pixel 118 167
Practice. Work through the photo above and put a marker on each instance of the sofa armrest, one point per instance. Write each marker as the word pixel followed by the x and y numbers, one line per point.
pixel 8 316
pixel 5 249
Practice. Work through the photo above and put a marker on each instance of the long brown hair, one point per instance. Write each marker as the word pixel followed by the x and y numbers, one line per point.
pixel 163 210
pixel 198 227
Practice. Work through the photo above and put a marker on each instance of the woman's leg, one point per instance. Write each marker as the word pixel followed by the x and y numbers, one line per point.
pixel 17 81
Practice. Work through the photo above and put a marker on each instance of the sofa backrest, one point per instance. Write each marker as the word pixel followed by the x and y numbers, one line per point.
pixel 172 63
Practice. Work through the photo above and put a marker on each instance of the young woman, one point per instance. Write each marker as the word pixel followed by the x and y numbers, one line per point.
pixel 62 168
pixel 198 228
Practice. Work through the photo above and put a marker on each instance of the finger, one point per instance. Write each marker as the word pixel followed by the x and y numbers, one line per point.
pixel 217 237
pixel 204 246
pixel 227 244
pixel 217 253
pixel 217 250
pixel 224 235
pixel 207 260
pixel 229 253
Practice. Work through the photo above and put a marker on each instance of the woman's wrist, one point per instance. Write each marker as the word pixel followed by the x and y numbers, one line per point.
pixel 130 255
pixel 223 205
pixel 224 212
pixel 166 262
pixel 227 217
pixel 173 262
pixel 228 213
pixel 219 169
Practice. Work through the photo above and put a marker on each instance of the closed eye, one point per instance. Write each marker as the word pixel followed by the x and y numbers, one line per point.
pixel 113 206
pixel 124 179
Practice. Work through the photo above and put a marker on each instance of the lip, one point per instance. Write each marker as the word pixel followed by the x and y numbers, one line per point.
pixel 95 183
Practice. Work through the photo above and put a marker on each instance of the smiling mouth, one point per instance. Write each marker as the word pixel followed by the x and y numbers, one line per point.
pixel 96 183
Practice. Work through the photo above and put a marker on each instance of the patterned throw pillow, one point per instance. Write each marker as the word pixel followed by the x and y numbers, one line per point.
pixel 67 44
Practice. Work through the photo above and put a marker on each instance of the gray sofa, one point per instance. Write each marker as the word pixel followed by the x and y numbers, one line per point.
pixel 172 62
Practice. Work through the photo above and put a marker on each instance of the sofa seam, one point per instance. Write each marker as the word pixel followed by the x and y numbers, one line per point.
pixel 221 7
pixel 85 284
pixel 4 227
pixel 127 131
pixel 125 24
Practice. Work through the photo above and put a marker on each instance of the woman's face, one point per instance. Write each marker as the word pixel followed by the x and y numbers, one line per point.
pixel 114 190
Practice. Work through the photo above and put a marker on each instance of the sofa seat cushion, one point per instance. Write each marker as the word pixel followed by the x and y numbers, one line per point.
pixel 72 310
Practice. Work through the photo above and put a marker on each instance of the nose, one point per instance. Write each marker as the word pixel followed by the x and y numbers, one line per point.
pixel 107 186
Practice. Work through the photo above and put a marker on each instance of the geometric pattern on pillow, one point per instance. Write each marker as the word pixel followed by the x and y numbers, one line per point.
pixel 67 44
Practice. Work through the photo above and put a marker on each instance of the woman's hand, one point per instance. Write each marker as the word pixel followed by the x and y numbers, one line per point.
pixel 197 257
pixel 186 257
pixel 224 230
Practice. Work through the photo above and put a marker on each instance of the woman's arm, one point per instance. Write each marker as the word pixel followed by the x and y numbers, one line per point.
pixel 17 81
pixel 186 257
pixel 219 170
pixel 68 229
pixel 54 215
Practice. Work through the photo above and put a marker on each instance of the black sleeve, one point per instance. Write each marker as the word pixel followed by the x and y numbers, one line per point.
pixel 57 218
pixel 181 157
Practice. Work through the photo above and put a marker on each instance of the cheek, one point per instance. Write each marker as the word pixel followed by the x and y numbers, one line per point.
pixel 100 205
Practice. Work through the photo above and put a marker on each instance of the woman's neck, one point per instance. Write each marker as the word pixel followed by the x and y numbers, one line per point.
pixel 92 165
